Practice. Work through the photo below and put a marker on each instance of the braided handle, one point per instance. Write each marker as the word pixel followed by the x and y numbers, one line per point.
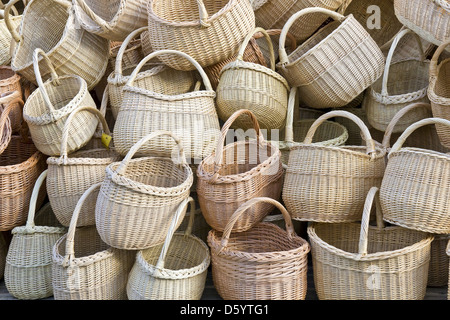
pixel 54 76
pixel 269 42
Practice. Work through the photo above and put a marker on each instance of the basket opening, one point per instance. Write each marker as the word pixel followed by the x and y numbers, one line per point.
pixel 16 153
pixel 185 10
pixel 442 87
pixel 94 154
pixel 6 73
pixel 328 130
pixel 46 217
pixel 106 10
pixel 87 242
pixel 168 81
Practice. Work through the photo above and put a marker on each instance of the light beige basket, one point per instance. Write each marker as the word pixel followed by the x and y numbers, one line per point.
pixel 175 270
pixel 409 172
pixel 28 271
pixel 84 267
pixel 262 263
pixel 359 261
pixel 335 65
pixel 5 35
pixel 329 183
pixel 439 261
pixel 47 109
pixel 403 82
pixel 139 197
pixel 254 87
pixel 208 31
pixel 237 172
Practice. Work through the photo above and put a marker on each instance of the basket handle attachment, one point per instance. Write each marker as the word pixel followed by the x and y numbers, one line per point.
pixel 95 17
pixel 289 128
pixel 434 60
pixel 12 29
pixel 203 14
pixel 118 67
pixel 257 30
pixel 54 76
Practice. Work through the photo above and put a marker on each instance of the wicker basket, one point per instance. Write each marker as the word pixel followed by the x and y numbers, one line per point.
pixel 335 65
pixel 131 54
pixel 47 109
pixel 358 261
pixel 262 263
pixel 254 87
pixel 84 267
pixel 403 82
pixel 329 183
pixel 188 114
pixel 5 35
pixel 11 88
pixel 439 261
pixel 139 197
pixel 28 271
pixel 69 176
pixel 241 170
pixel 175 270
pixel 208 31
pixel 70 49
pixel 3 254
pixel 9 109
pixel 265 47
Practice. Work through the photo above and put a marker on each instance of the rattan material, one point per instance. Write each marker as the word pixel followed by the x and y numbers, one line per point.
pixel 69 176
pixel 175 270
pixel 5 36
pixel 274 34
pixel 359 261
pixel 254 87
pixel 329 183
pixel 208 31
pixel 9 109
pixel 139 197
pixel 415 190
pixel 262 263
pixel 131 54
pixel 112 20
pixel 84 267
pixel 237 172
pixel 72 50
pixel 9 80
pixel 47 109
pixel 439 261
pixel 190 115
pixel 28 272
pixel 335 65
pixel 403 82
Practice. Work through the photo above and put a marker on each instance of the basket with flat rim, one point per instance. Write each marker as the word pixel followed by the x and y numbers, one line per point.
pixel 409 172
pixel 175 270
pixel 329 183
pixel 335 65
pixel 360 261
pixel 265 262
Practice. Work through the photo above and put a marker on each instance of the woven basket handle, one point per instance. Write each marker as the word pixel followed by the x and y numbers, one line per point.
pixel 398 37
pixel 390 128
pixel 95 17
pixel 54 76
pixel 248 204
pixel 277 32
pixel 282 50
pixel 12 29
pixel 289 128
pixel 434 60
pixel 247 40
pixel 118 67
pixel 30 226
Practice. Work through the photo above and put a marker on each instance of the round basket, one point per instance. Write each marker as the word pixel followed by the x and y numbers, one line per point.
pixel 175 270
pixel 329 183
pixel 28 271
pixel 262 263
pixel 254 87
pixel 359 261
pixel 208 31
pixel 335 65
pixel 439 261
pixel 5 35
pixel 236 173
pixel 139 197
pixel 409 172
pixel 403 82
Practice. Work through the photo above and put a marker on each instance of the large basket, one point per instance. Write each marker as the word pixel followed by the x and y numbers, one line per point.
pixel 188 114
pixel 5 35
pixel 237 172
pixel 329 183
pixel 208 31
pixel 439 261
pixel 72 50
pixel 335 65
pixel 403 82
pixel 175 270
pixel 84 267
pixel 262 263
pixel 254 87
pixel 409 172
pixel 359 261
pixel 139 197
pixel 28 272
pixel 47 109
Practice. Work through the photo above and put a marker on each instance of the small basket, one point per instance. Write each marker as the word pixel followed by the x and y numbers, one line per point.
pixel 358 261
pixel 262 263
pixel 175 270
pixel 439 261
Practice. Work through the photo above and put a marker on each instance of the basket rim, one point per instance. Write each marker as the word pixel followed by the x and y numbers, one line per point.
pixel 117 79
pixel 14 78
pixel 420 152
pixel 77 158
pixel 205 93
pixel 379 154
pixel 24 165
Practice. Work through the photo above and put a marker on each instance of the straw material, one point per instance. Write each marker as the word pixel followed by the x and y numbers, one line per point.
pixel 439 261
pixel 5 36
pixel 28 272
pixel 335 65
pixel 262 263
pixel 208 31
pixel 328 183
pixel 175 270
pixel 131 56
pixel 237 172
pixel 84 267
pixel 11 88
pixel 253 87
pixel 359 261
pixel 139 197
